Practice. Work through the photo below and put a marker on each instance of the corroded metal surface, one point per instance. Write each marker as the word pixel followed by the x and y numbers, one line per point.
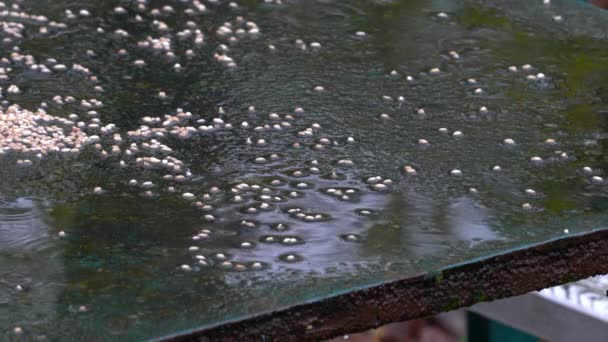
pixel 504 275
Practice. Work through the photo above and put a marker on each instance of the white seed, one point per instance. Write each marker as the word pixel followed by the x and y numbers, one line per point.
pixel 597 179
pixel 379 187
pixel 509 142
pixel 13 89
pixel 536 159
pixel 409 170
pixel 456 172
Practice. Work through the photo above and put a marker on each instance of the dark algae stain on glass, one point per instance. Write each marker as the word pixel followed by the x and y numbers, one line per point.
pixel 172 165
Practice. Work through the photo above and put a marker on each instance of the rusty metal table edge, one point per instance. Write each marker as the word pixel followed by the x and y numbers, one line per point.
pixel 515 272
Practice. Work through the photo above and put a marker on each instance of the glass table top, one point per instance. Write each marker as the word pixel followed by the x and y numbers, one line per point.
pixel 172 165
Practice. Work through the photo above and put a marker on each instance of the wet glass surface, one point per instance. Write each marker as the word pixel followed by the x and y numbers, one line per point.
pixel 196 219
